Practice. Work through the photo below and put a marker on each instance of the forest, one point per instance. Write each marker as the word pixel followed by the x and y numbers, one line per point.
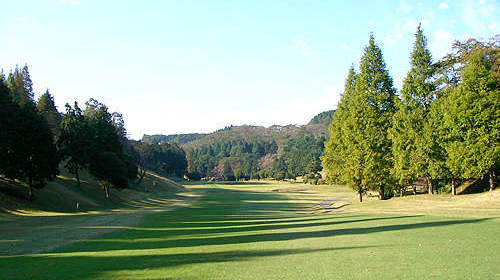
pixel 37 141
pixel 442 126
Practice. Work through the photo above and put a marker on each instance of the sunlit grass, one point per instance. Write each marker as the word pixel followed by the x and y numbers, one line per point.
pixel 256 232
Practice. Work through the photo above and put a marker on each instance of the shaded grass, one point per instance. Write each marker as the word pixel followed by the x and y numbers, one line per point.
pixel 250 232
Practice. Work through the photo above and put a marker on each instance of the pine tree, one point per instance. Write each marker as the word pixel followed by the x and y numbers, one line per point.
pixel 21 86
pixel 75 140
pixel 472 118
pixel 8 117
pixel 31 153
pixel 368 156
pixel 359 149
pixel 333 160
pixel 48 110
pixel 108 162
pixel 411 149
pixel 34 151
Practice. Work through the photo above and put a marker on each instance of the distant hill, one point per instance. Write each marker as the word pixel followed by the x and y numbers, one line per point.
pixel 323 117
pixel 317 126
pixel 172 138
pixel 249 151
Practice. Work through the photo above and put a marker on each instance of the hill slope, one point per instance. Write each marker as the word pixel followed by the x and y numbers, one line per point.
pixel 62 195
pixel 172 138
pixel 248 151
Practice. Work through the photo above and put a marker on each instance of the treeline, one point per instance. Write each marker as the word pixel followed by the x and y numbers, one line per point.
pixel 326 116
pixel 300 157
pixel 36 139
pixel 166 158
pixel 229 159
pixel 443 126
pixel 173 138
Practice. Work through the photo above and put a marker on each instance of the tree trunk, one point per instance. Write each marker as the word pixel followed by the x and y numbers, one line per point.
pixel 360 195
pixel 381 194
pixel 429 184
pixel 77 178
pixel 142 173
pixel 30 189
pixel 492 180
pixel 106 190
pixel 453 186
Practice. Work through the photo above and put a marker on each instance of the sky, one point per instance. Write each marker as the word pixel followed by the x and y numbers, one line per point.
pixel 197 66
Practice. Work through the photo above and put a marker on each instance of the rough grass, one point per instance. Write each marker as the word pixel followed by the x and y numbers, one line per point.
pixel 263 231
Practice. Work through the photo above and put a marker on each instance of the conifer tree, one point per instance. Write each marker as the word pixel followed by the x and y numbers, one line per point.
pixel 31 152
pixel 75 140
pixel 472 118
pixel 370 112
pixel 411 150
pixel 364 147
pixel 36 157
pixel 21 86
pixel 108 162
pixel 333 159
pixel 48 110
pixel 8 117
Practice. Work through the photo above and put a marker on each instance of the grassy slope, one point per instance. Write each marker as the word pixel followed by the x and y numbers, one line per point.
pixel 52 219
pixel 61 195
pixel 261 232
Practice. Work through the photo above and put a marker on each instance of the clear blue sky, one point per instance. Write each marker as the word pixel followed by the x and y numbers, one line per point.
pixel 196 66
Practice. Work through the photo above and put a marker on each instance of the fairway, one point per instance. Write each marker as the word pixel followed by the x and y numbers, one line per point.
pixel 249 231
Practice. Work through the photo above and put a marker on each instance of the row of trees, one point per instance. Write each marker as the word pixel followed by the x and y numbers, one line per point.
pixel 94 139
pixel 27 147
pixel 443 125
pixel 161 158
pixel 35 138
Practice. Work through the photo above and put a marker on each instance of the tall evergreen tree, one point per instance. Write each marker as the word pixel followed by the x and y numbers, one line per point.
pixel 75 140
pixel 31 152
pixel 34 149
pixel 107 162
pixel 333 159
pixel 21 86
pixel 472 118
pixel 366 147
pixel 411 149
pixel 8 117
pixel 48 110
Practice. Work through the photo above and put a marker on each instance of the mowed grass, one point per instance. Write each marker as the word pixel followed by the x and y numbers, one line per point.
pixel 266 231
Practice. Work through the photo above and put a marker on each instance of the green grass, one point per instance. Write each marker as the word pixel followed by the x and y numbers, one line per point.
pixel 257 232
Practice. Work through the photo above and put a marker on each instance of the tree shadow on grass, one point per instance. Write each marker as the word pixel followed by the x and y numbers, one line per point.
pixel 223 217
pixel 70 267
pixel 157 242
pixel 221 224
